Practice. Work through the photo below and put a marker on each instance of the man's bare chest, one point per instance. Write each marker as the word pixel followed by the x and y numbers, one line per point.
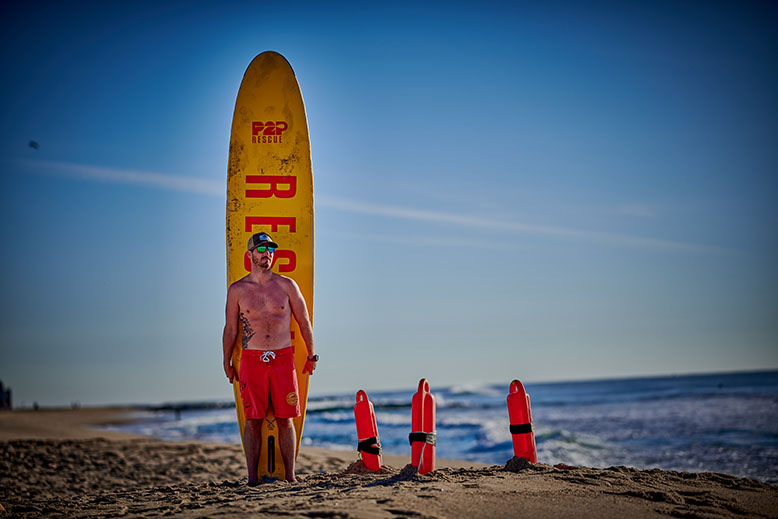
pixel 263 303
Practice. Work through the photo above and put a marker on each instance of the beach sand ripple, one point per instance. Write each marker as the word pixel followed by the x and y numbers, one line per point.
pixel 104 477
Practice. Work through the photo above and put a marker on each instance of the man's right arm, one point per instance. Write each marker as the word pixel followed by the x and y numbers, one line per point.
pixel 231 312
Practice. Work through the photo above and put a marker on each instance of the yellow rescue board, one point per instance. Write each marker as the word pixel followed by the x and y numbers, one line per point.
pixel 270 188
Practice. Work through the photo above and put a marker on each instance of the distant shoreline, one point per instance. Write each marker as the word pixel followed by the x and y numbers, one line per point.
pixel 65 423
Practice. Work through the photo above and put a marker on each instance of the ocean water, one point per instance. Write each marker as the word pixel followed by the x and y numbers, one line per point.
pixel 718 423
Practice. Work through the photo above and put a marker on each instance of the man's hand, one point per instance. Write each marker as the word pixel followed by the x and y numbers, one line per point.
pixel 310 365
pixel 230 372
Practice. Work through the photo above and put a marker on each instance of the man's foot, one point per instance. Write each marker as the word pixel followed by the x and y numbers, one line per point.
pixel 291 479
pixel 254 483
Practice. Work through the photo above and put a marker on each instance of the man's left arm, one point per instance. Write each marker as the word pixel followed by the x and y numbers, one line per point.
pixel 300 312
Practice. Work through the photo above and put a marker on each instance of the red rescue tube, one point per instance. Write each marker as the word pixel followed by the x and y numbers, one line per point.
pixel 522 428
pixel 369 446
pixel 422 435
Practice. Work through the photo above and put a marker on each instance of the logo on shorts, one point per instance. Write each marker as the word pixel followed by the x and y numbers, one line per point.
pixel 291 398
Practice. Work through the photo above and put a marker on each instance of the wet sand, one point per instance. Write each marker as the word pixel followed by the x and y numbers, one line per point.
pixel 52 463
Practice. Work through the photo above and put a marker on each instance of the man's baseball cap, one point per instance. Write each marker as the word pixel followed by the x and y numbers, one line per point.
pixel 261 238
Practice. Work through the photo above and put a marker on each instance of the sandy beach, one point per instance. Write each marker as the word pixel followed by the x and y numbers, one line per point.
pixel 54 463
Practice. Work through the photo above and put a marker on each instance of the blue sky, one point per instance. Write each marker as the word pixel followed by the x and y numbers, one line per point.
pixel 544 191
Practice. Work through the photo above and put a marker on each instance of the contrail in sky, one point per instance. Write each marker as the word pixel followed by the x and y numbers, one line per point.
pixel 214 188
pixel 129 176
pixel 510 226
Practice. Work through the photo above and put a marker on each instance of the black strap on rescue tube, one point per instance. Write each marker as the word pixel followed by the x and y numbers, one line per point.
pixel 523 428
pixel 370 446
pixel 422 437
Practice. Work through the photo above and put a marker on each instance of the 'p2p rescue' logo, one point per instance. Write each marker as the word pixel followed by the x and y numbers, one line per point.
pixel 267 132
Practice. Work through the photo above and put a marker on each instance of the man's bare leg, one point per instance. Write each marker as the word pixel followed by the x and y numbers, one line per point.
pixel 252 439
pixel 287 440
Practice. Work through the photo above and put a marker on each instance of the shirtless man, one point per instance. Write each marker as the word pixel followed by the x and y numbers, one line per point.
pixel 264 303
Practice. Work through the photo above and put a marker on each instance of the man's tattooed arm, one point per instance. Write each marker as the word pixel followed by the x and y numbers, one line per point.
pixel 248 332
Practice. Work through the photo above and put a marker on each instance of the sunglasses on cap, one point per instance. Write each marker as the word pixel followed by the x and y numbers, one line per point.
pixel 262 248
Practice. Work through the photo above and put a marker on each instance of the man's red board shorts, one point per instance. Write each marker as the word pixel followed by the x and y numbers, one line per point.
pixel 272 372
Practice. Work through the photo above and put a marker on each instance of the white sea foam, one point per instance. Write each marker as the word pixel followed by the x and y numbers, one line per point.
pixel 495 431
pixel 387 418
pixel 337 416
pixel 475 389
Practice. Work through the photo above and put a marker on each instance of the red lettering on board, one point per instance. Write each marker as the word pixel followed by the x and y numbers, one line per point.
pixel 268 128
pixel 274 181
pixel 263 139
pixel 288 255
pixel 272 221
